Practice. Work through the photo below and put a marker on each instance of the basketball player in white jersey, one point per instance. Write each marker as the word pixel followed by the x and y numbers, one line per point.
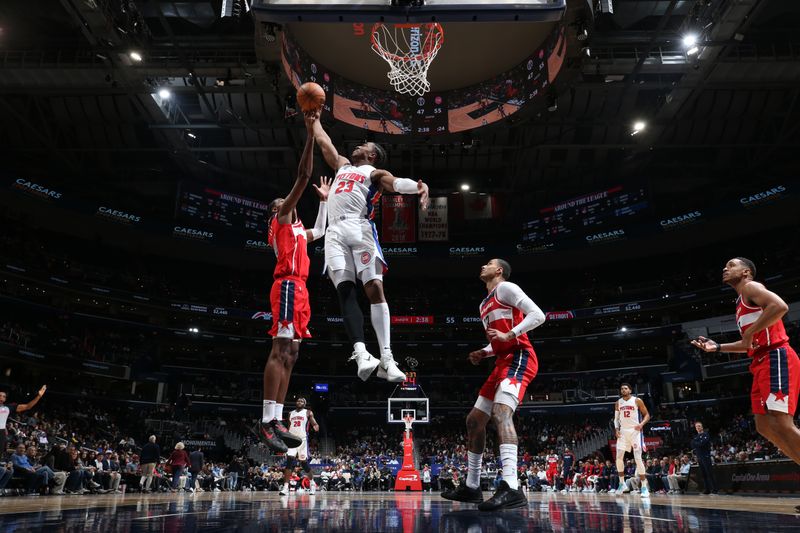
pixel 630 417
pixel 352 250
pixel 299 420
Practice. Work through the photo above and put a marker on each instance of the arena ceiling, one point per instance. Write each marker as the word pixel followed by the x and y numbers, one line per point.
pixel 75 107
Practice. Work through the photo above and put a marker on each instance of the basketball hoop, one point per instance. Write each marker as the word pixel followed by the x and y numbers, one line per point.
pixel 409 49
pixel 408 420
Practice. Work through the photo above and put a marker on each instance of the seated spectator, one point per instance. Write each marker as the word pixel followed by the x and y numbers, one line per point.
pixel 34 479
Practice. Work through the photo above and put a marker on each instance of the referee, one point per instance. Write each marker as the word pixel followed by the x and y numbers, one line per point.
pixel 7 410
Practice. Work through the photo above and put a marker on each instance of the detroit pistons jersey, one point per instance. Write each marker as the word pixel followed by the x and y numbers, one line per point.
pixel 298 423
pixel 628 413
pixel 289 243
pixel 503 317
pixel 773 336
pixel 352 194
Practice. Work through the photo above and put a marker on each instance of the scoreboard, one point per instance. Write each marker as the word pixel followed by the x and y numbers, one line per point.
pixel 585 214
pixel 429 116
pixel 208 206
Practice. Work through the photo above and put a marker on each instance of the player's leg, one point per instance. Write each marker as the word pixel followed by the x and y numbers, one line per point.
pixel 370 266
pixel 774 400
pixel 291 460
pixel 342 271
pixel 381 322
pixel 288 366
pixel 640 468
pixel 622 447
pixel 470 490
pixel 510 391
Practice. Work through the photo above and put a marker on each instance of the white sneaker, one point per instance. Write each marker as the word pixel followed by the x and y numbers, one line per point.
pixel 620 490
pixel 366 364
pixel 389 371
pixel 645 492
pixel 284 490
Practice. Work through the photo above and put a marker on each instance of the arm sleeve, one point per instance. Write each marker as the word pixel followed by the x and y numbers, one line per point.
pixel 510 294
pixel 405 186
pixel 322 219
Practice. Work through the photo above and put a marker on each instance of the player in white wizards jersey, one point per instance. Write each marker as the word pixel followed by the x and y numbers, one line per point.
pixel 299 420
pixel 630 416
pixel 352 250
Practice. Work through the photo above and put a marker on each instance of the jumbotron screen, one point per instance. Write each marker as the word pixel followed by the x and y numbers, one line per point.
pixel 212 207
pixel 585 213
pixel 435 112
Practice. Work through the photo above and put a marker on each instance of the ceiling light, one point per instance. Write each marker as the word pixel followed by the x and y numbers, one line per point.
pixel 136 56
pixel 164 94
pixel 638 127
pixel 689 40
pixel 464 186
pixel 623 329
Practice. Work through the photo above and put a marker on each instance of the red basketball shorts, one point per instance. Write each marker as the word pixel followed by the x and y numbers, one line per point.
pixel 290 309
pixel 776 381
pixel 508 381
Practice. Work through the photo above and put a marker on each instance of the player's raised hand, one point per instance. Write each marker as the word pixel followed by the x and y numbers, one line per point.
pixel 476 357
pixel 42 390
pixel 311 117
pixel 323 188
pixel 707 345
pixel 422 190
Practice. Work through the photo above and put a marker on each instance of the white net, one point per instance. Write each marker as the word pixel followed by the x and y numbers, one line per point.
pixel 409 49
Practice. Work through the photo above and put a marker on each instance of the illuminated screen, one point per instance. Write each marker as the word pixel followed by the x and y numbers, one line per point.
pixel 212 207
pixel 585 214
pixel 433 113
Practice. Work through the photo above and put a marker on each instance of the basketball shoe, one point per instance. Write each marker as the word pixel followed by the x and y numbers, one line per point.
pixel 366 363
pixel 273 441
pixel 284 490
pixel 463 493
pixel 388 369
pixel 645 492
pixel 291 440
pixel 504 498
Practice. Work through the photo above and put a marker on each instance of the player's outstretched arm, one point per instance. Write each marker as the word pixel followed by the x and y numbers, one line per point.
pixel 709 345
pixel 30 405
pixel 392 183
pixel 304 169
pixel 318 231
pixel 329 152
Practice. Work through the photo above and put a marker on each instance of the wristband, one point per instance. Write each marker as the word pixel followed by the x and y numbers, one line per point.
pixel 717 347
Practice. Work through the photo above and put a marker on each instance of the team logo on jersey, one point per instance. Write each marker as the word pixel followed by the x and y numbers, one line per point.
pixel 365 257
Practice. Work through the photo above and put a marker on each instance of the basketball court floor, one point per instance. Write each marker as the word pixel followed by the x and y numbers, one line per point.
pixel 394 512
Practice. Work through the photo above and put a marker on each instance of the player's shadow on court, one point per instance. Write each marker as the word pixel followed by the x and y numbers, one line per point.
pixel 474 521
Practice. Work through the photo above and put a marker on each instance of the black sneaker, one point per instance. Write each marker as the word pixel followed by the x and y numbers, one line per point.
pixel 292 441
pixel 504 498
pixel 463 494
pixel 267 432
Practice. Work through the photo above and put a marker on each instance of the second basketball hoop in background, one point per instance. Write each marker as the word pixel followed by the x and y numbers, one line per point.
pixel 310 96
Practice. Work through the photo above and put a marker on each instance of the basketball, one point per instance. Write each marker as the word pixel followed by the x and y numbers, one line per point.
pixel 310 96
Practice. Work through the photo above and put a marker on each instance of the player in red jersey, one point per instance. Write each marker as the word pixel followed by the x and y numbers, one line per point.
pixel 552 467
pixel 289 297
pixel 507 314
pixel 775 366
